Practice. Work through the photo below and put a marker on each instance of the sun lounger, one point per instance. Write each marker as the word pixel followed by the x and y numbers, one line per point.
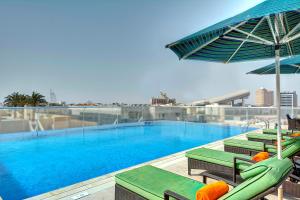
pixel 152 183
pixel 274 131
pixel 265 138
pixel 247 147
pixel 227 162
pixel 252 147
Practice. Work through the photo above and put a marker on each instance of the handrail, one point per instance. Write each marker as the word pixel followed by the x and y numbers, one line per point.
pixel 142 106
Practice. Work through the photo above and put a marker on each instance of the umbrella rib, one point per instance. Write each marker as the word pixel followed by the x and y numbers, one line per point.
pixel 207 43
pixel 271 28
pixel 246 40
pixel 254 36
pixel 286 37
pixel 285 32
pixel 293 38
pixel 235 52
pixel 294 65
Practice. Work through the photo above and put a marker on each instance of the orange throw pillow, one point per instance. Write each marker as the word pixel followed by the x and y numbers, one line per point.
pixel 212 191
pixel 260 156
pixel 295 134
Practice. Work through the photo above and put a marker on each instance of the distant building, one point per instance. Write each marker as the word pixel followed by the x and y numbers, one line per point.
pixel 52 97
pixel 264 97
pixel 289 99
pixel 163 99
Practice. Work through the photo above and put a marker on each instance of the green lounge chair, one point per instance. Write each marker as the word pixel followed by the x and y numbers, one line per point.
pixel 265 138
pixel 152 183
pixel 251 147
pixel 227 162
pixel 274 131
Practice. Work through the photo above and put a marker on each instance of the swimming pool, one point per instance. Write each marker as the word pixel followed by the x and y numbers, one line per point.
pixel 33 165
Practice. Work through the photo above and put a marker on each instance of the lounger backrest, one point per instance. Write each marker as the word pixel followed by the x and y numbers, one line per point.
pixel 291 149
pixel 274 173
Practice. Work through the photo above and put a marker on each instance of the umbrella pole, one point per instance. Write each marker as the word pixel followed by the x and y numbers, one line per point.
pixel 277 64
pixel 279 147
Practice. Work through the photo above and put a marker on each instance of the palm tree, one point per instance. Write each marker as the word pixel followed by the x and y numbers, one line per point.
pixel 20 100
pixel 16 100
pixel 36 99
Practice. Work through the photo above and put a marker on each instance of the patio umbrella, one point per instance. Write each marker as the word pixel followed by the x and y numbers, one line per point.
pixel 287 66
pixel 269 30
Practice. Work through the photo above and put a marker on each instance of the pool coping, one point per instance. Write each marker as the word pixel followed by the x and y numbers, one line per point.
pixel 91 186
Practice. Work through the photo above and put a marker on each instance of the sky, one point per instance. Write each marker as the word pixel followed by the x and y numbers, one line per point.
pixel 114 50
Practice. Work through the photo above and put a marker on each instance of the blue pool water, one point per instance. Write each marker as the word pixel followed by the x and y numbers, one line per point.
pixel 33 165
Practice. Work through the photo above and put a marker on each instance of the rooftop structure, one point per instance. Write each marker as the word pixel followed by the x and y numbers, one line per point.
pixel 163 99
pixel 227 99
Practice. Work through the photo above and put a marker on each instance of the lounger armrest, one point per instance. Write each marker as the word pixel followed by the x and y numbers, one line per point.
pixel 235 159
pixel 235 169
pixel 169 194
pixel 206 175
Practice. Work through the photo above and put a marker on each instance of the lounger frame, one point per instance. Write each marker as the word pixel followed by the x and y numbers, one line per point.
pixel 271 142
pixel 211 167
pixel 198 164
pixel 122 193
pixel 241 150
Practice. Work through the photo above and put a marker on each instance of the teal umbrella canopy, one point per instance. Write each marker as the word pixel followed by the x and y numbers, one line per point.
pixel 253 34
pixel 287 66
pixel 269 30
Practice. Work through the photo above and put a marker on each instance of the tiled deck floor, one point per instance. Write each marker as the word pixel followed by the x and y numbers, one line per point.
pixel 102 188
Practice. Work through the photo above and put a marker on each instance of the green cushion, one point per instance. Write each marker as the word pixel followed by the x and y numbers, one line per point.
pixel 250 188
pixel 151 183
pixel 264 136
pixel 259 146
pixel 274 131
pixel 218 157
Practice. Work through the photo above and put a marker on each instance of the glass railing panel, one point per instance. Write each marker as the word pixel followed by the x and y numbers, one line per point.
pixel 29 119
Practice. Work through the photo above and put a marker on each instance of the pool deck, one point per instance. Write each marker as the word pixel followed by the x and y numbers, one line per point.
pixel 102 188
